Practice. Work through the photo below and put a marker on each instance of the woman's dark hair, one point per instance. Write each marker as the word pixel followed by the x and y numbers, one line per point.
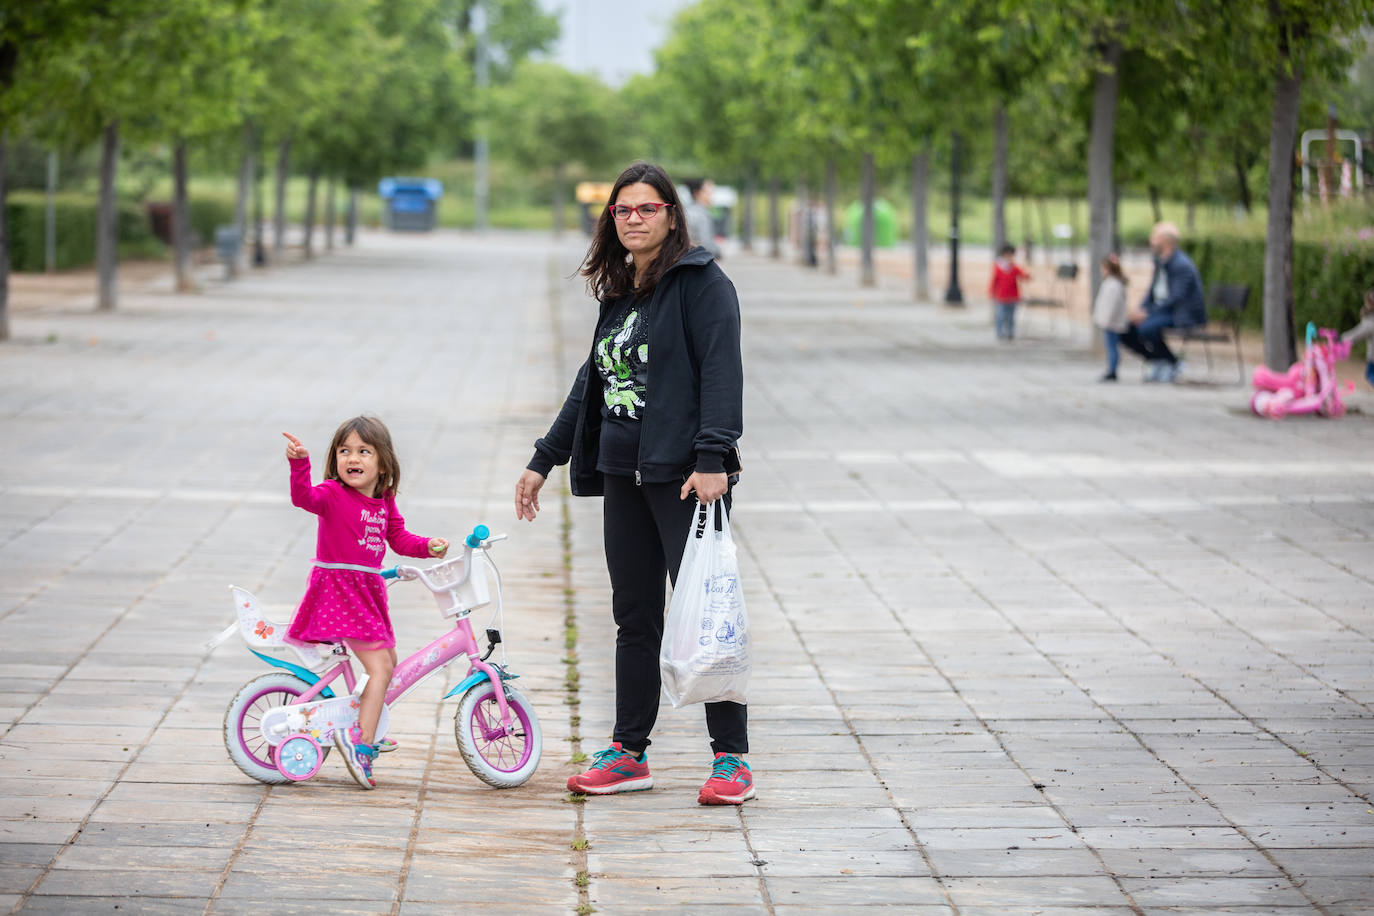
pixel 1113 265
pixel 373 432
pixel 608 268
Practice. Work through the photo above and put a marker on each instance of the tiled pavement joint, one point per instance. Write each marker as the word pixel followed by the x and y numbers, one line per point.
pixel 408 861
pixel 766 582
pixel 1107 713
pixel 131 685
pixel 249 825
pixel 572 679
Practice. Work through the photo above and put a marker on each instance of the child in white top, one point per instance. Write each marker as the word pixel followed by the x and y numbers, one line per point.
pixel 1109 312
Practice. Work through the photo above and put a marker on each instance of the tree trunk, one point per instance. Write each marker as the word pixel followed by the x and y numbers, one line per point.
pixel 351 217
pixel 1026 230
pixel 107 222
pixel 806 227
pixel 259 248
pixel 830 190
pixel 181 221
pixel 330 214
pixel 1101 187
pixel 246 168
pixel 558 200
pixel 1279 350
pixel 1073 227
pixel 279 218
pixel 1042 207
pixel 867 275
pixel 50 217
pixel 774 219
pixel 308 242
pixel 1242 181
pixel 746 218
pixel 999 177
pixel 4 245
pixel 920 222
pixel 1154 204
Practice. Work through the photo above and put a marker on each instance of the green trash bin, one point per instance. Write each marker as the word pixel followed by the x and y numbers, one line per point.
pixel 884 224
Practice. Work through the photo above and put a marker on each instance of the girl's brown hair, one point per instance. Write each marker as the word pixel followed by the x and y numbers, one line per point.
pixel 1368 308
pixel 1113 265
pixel 373 432
pixel 608 268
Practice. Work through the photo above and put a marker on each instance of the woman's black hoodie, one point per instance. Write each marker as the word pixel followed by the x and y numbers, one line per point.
pixel 695 387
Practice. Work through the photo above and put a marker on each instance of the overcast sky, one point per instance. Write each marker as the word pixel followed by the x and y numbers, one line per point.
pixel 613 38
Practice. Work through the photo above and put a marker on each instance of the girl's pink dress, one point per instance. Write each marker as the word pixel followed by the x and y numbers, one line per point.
pixel 346 603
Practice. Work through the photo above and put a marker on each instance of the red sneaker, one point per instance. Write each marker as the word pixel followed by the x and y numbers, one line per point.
pixel 731 782
pixel 613 770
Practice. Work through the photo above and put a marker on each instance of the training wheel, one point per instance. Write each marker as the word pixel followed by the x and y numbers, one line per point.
pixel 298 757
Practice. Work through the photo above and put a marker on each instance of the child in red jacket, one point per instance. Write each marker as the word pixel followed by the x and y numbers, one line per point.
pixel 1005 290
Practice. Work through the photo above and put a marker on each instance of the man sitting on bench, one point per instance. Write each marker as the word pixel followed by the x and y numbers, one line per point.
pixel 1173 300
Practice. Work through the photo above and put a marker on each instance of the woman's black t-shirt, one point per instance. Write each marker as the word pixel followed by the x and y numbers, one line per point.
pixel 621 358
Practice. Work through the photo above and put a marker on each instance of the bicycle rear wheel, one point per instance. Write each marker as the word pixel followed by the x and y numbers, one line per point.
pixel 242 735
pixel 498 759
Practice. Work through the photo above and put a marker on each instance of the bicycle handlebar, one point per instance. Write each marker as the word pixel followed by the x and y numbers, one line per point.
pixel 480 538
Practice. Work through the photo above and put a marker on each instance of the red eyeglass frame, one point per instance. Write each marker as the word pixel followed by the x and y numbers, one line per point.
pixel 610 208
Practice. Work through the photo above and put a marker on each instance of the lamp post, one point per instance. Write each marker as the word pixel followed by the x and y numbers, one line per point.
pixel 953 295
pixel 481 79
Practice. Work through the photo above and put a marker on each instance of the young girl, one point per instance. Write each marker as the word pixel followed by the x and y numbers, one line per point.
pixel 1005 290
pixel 1365 331
pixel 345 600
pixel 1109 311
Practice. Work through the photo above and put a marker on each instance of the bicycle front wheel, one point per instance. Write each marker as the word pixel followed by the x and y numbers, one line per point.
pixel 499 759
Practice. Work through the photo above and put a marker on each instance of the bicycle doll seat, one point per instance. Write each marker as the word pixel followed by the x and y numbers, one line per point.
pixel 268 637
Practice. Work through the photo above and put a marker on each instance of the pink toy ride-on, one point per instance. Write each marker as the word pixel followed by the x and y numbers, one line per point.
pixel 1309 386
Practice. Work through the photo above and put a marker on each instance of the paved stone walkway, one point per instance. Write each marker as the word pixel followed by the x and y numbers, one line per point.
pixel 1025 643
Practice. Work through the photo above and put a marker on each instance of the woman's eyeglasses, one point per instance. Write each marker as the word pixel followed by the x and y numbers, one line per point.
pixel 646 210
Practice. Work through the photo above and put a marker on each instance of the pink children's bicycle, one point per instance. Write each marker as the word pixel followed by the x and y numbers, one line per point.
pixel 279 726
pixel 1310 385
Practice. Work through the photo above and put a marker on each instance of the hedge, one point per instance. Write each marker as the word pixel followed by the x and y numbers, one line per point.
pixel 26 219
pixel 1329 276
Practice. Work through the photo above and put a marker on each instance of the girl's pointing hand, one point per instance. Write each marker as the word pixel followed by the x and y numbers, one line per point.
pixel 294 448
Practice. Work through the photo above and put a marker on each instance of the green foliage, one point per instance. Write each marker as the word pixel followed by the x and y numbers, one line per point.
pixel 1330 274
pixel 547 117
pixel 26 220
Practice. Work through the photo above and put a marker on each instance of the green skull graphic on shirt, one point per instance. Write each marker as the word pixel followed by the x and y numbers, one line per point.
pixel 622 359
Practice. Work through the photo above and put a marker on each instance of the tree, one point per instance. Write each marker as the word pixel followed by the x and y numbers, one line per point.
pixel 1300 36
pixel 32 37
pixel 551 119
pixel 722 95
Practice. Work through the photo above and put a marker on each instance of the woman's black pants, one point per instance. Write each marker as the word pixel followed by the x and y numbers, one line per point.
pixel 645 531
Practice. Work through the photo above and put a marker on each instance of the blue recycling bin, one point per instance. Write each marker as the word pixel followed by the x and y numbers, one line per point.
pixel 412 204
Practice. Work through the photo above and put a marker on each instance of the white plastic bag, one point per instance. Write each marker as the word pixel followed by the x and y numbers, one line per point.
pixel 705 653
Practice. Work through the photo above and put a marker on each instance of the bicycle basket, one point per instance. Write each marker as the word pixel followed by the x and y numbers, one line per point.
pixel 458 586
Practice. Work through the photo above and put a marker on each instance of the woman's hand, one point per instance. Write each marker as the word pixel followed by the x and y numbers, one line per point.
pixel 294 448
pixel 709 487
pixel 527 494
pixel 437 547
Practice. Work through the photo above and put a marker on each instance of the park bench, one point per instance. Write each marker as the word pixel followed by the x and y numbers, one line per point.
pixel 1064 277
pixel 1225 304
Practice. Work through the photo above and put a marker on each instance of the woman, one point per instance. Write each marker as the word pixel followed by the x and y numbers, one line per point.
pixel 652 418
